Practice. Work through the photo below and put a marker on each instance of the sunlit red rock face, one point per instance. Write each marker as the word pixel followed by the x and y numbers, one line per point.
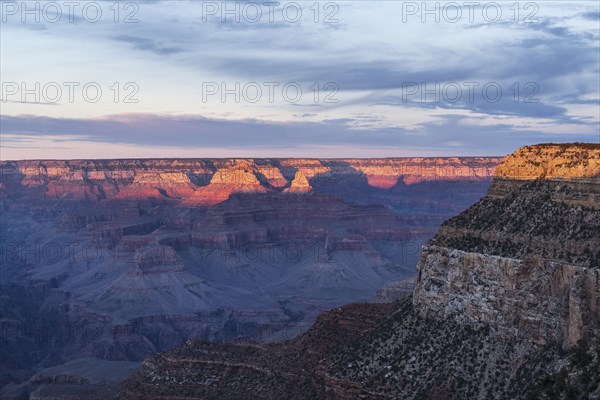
pixel 240 178
pixel 172 185
pixel 299 184
pixel 208 182
pixel 578 161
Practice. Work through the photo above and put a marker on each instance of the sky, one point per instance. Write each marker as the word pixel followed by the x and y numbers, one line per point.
pixel 106 79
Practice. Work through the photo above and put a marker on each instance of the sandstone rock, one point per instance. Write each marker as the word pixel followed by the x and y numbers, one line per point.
pixel 158 184
pixel 299 184
pixel 225 182
pixel 207 182
pixel 579 161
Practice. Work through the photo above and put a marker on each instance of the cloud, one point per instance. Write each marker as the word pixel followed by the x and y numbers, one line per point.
pixel 171 132
pixel 591 15
pixel 488 98
pixel 146 44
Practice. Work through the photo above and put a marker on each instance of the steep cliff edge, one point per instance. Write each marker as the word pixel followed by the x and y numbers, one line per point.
pixel 526 258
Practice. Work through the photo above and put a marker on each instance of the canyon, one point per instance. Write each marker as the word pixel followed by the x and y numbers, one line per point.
pixel 105 263
pixel 506 305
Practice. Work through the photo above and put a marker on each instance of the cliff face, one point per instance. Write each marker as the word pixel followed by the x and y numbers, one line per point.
pixel 579 162
pixel 526 258
pixel 538 299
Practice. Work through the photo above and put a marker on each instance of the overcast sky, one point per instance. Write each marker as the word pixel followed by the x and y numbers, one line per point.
pixel 297 79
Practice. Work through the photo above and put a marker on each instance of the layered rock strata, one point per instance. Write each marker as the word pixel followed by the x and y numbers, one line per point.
pixel 526 258
pixel 210 181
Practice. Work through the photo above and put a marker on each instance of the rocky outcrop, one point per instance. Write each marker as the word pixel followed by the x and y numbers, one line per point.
pixel 579 162
pixel 538 299
pixel 526 258
pixel 299 184
pixel 158 184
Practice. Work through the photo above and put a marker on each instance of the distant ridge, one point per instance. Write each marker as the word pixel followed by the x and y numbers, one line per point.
pixel 206 182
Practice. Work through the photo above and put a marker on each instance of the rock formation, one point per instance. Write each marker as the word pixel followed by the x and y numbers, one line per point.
pixel 526 258
pixel 209 181
pixel 299 184
pixel 239 178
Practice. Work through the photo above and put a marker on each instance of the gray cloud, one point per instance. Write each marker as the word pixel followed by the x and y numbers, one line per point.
pixel 591 15
pixel 147 44
pixel 196 131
